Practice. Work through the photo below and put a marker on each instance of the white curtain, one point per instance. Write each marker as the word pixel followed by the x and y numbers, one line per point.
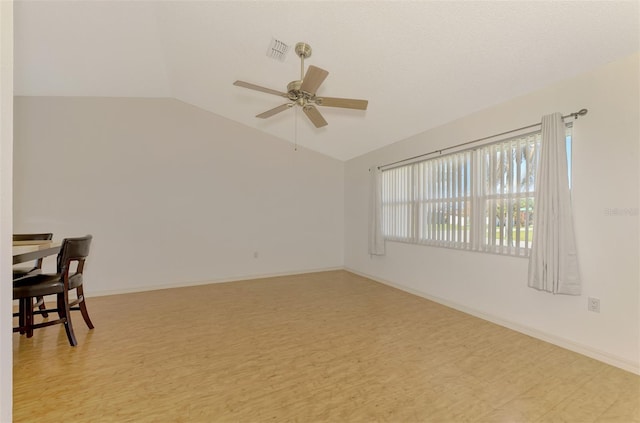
pixel 376 238
pixel 553 263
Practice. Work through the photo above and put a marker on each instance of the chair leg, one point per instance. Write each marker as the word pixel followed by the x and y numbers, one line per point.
pixel 42 307
pixel 60 308
pixel 63 307
pixel 83 307
pixel 22 305
pixel 28 316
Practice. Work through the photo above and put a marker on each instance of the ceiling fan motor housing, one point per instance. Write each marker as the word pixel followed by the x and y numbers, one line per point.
pixel 295 94
pixel 293 88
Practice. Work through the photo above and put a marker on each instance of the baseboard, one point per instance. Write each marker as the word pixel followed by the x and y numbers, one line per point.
pixel 207 282
pixel 535 333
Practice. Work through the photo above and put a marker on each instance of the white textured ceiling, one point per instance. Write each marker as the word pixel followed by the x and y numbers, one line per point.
pixel 419 63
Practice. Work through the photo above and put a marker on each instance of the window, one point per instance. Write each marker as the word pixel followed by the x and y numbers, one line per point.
pixel 478 199
pixel 507 193
pixel 428 202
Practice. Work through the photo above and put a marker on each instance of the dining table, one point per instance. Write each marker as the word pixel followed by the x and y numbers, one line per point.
pixel 25 251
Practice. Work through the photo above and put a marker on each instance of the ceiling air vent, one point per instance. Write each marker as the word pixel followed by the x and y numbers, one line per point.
pixel 277 50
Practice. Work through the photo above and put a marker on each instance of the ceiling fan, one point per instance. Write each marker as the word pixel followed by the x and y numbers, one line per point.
pixel 303 92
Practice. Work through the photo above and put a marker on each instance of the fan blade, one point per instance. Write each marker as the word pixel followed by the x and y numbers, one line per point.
pixel 345 103
pixel 259 88
pixel 312 79
pixel 274 111
pixel 314 116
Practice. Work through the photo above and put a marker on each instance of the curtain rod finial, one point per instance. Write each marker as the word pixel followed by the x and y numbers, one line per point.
pixel 581 112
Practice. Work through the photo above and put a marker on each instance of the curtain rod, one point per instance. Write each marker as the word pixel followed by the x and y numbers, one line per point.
pixel 574 115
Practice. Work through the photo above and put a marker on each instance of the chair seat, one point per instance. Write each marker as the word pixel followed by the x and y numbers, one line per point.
pixel 43 284
pixel 20 272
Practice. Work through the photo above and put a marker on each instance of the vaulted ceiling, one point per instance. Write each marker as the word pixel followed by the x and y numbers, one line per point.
pixel 419 63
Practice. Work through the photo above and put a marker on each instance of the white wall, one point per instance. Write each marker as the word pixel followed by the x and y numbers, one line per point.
pixel 6 148
pixel 172 194
pixel 605 174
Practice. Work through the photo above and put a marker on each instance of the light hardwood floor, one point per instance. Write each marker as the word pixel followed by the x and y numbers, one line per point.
pixel 321 347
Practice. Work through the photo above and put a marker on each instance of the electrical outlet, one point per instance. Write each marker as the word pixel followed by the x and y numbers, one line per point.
pixel 593 304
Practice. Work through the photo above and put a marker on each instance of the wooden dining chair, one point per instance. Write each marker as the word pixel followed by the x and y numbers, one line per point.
pixel 21 272
pixel 69 276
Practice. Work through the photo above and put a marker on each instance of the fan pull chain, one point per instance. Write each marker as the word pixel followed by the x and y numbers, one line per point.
pixel 295 129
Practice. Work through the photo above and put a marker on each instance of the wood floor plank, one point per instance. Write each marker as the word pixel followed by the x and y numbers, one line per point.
pixel 320 347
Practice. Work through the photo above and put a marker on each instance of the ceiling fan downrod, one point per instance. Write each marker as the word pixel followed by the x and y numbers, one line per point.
pixel 303 50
